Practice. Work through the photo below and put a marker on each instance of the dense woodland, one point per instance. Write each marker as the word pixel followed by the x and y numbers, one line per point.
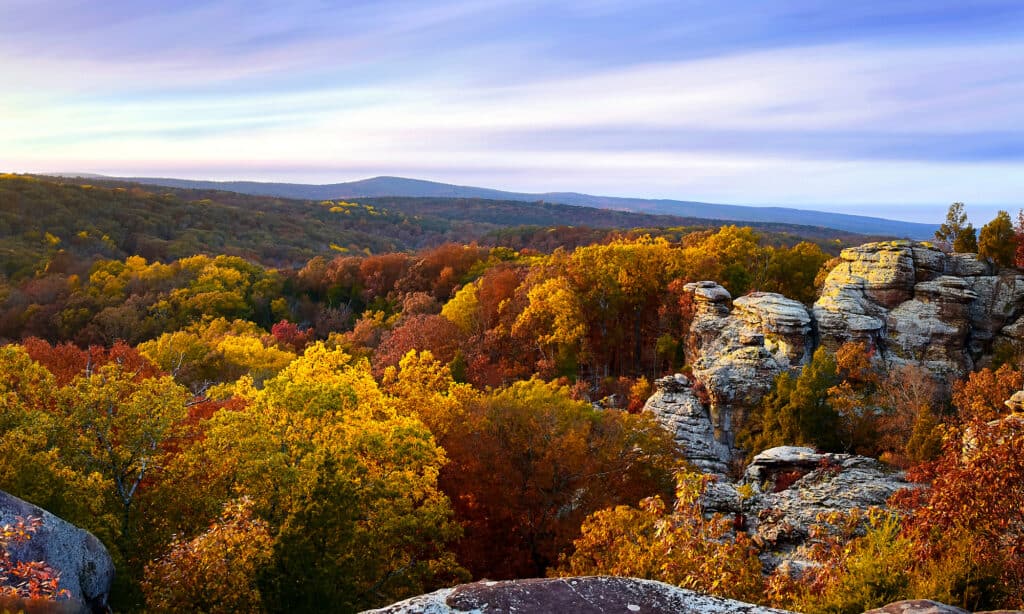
pixel 268 409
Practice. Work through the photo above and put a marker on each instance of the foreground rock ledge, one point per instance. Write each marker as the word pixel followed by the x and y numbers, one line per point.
pixel 564 595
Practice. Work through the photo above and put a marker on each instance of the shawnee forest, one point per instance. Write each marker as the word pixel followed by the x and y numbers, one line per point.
pixel 259 404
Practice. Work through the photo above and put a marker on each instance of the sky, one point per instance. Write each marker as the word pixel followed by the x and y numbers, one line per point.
pixel 890 108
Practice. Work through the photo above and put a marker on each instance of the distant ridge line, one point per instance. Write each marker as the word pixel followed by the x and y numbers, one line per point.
pixel 404 187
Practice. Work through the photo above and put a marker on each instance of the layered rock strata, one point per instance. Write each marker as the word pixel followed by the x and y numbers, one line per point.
pixel 911 302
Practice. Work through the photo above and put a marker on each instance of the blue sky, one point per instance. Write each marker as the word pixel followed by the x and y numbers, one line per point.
pixel 892 108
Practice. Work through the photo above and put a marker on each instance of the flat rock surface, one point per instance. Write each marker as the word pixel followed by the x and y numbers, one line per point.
pixel 584 595
pixel 917 606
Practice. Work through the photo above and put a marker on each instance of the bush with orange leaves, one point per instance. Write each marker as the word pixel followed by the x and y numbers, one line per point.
pixel 678 546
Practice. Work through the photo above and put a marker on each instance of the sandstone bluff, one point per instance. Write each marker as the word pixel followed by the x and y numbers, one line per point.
pixel 908 301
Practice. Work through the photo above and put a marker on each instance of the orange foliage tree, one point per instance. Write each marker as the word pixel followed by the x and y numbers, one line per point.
pixel 215 571
pixel 527 463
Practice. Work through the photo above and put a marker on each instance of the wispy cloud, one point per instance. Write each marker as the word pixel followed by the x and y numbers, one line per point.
pixel 796 102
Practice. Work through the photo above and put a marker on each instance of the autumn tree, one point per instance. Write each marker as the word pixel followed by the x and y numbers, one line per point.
pixel 120 423
pixel 215 571
pixel 527 464
pixel 32 437
pixel 791 271
pixel 92 449
pixel 1018 238
pixel 679 546
pixel 881 409
pixel 997 241
pixel 967 523
pixel 981 395
pixel 419 332
pixel 218 350
pixel 554 322
pixel 320 443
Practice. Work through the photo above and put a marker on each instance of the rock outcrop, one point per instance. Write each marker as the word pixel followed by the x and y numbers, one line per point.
pixel 735 354
pixel 917 606
pixel 914 303
pixel 678 409
pixel 788 487
pixel 907 301
pixel 83 563
pixel 584 595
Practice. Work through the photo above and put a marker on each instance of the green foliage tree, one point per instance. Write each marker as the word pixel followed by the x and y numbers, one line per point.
pixel 997 242
pixel 798 412
pixel 956 231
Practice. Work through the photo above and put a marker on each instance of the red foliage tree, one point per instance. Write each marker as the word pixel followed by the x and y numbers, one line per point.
pixel 66 360
pixel 289 336
pixel 420 332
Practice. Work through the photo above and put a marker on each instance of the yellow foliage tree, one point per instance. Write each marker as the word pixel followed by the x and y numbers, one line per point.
pixel 214 572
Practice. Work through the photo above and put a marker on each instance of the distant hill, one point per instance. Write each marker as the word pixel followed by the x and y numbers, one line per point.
pixel 400 186
pixel 89 218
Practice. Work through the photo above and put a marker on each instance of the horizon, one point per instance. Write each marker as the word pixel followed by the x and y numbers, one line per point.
pixel 890 110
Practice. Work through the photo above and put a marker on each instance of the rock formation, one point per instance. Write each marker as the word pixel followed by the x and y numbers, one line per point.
pixel 735 355
pixel 914 303
pixel 790 486
pixel 917 606
pixel 908 301
pixel 676 406
pixel 601 594
pixel 562 595
pixel 83 563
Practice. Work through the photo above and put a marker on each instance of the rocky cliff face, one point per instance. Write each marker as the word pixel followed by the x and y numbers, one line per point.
pixel 914 303
pixel 677 408
pixel 908 301
pixel 735 354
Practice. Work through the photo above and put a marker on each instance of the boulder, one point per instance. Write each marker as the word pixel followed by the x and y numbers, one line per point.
pixel 784 325
pixel 1016 401
pixel 590 594
pixel 83 563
